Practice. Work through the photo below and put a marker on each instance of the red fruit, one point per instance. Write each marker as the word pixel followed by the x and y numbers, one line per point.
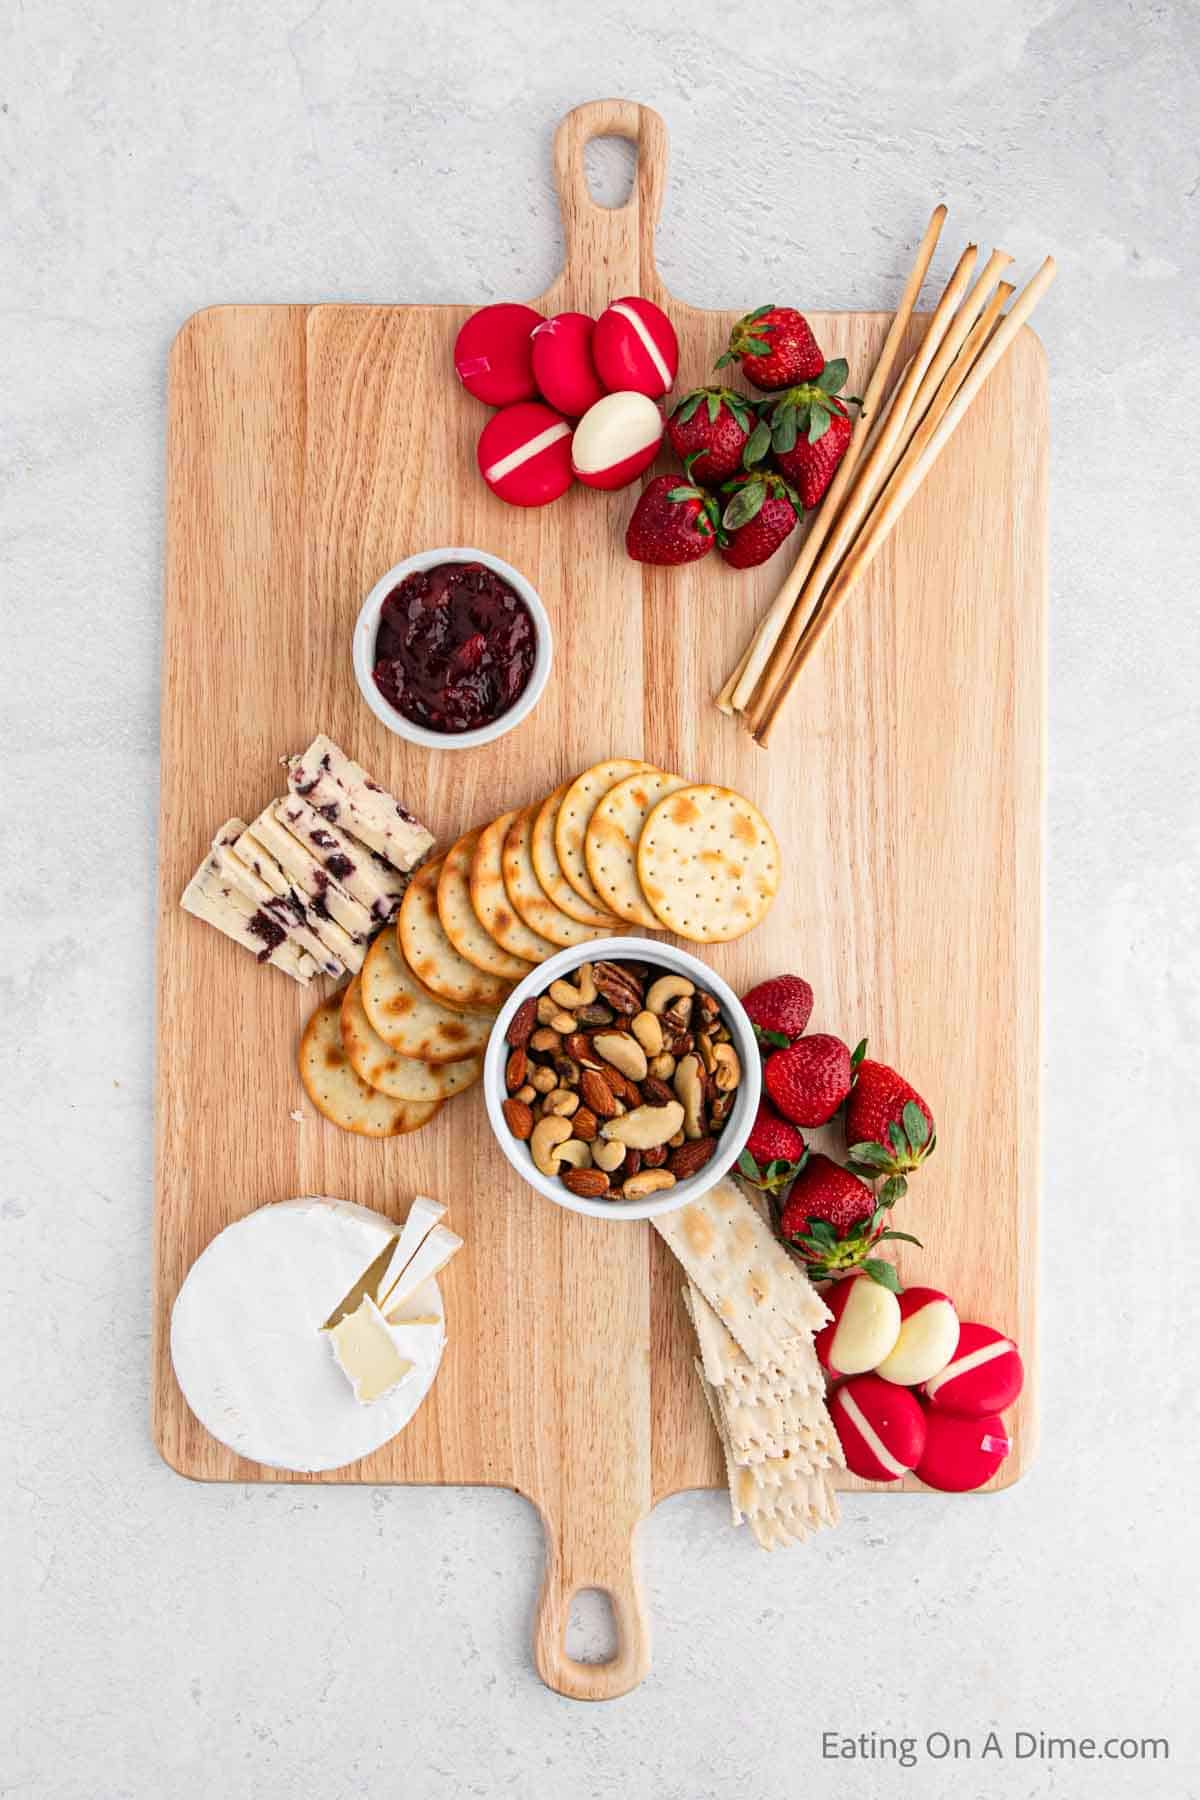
pixel 812 465
pixel 673 522
pixel 708 430
pixel 779 1009
pixel 827 1192
pixel 775 347
pixel 809 1080
pixel 774 1152
pixel 889 1128
pixel 763 511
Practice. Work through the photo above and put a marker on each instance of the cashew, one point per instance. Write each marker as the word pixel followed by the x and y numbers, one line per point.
pixel 543 1079
pixel 577 1153
pixel 561 1102
pixel 647 1029
pixel 650 1181
pixel 545 1039
pixel 546 1010
pixel 689 1085
pixel 666 989
pixel 562 1021
pixel 704 1045
pixel 728 1071
pixel 623 1052
pixel 563 993
pixel 608 1156
pixel 645 1126
pixel 544 1145
pixel 662 1067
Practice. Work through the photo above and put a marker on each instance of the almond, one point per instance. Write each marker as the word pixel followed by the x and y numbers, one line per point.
pixel 657 1092
pixel 588 1184
pixel 515 1073
pixel 655 1157
pixel 598 1097
pixel 523 1021
pixel 690 1157
pixel 585 1124
pixel 579 1046
pixel 519 1118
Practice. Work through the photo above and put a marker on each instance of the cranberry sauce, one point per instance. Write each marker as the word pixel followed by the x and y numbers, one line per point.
pixel 455 647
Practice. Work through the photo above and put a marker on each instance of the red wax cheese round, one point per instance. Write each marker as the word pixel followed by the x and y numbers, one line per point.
pixel 493 356
pixel 634 346
pixel 984 1375
pixel 866 1324
pixel 961 1453
pixel 562 363
pixel 616 440
pixel 926 1340
pixel 524 454
pixel 881 1427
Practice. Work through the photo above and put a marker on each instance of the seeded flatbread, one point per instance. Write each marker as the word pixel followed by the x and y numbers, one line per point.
pixel 550 871
pixel 431 956
pixel 459 919
pixel 611 840
pixel 400 1077
pixel 708 863
pixel 529 898
pixel 574 815
pixel 409 1021
pixel 340 1094
pixel 490 901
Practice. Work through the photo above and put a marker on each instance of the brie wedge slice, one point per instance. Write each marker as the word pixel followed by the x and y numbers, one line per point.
pixel 434 1254
pixel 366 1353
pixel 423 1215
pixel 341 790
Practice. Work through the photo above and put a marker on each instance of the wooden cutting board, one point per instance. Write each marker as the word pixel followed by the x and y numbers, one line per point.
pixel 310 448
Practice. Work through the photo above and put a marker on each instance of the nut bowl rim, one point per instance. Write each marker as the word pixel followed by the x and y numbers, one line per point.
pixel 738 1126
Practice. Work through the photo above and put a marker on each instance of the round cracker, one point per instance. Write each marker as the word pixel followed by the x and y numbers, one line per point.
pixel 570 828
pixel 490 901
pixel 400 1077
pixel 530 899
pixel 408 1020
pixel 708 863
pixel 340 1094
pixel 610 844
pixel 549 870
pixel 431 956
pixel 460 921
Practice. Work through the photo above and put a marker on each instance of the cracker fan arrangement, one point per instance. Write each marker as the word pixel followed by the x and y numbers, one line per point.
pixel 529 966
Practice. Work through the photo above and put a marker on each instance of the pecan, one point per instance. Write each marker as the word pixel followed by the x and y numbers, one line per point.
pixel 721 1108
pixel 678 1015
pixel 655 1157
pixel 519 1118
pixel 618 986
pixel 690 1157
pixel 598 1097
pixel 588 1184
pixel 679 1043
pixel 523 1021
pixel 656 1092
pixel 708 1009
pixel 515 1073
pixel 585 1124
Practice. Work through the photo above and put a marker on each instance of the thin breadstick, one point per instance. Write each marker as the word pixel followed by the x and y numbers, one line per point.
pixel 927 445
pixel 742 682
pixel 867 484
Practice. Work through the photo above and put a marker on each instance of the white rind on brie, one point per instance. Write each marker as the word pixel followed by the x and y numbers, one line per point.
pixel 337 786
pixel 434 1254
pixel 423 1215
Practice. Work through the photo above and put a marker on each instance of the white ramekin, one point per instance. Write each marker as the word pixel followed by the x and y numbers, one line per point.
pixel 737 1128
pixel 366 630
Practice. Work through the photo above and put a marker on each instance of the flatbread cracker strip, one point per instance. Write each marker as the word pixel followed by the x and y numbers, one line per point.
pixel 727 1366
pixel 727 1454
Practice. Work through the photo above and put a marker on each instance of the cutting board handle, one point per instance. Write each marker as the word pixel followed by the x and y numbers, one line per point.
pixel 611 1568
pixel 601 241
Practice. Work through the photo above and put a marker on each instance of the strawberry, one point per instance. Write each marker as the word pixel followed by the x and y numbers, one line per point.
pixel 832 1221
pixel 775 347
pixel 673 522
pixel 762 513
pixel 813 463
pixel 708 431
pixel 889 1128
pixel 809 1080
pixel 779 1009
pixel 807 430
pixel 775 1152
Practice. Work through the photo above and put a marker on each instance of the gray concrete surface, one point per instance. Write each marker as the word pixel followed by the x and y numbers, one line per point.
pixel 159 1639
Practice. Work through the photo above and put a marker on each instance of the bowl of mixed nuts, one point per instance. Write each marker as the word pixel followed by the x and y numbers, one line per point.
pixel 622 1079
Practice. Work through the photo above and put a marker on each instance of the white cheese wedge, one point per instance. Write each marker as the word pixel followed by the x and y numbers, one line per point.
pixel 249 1351
pixel 366 1352
pixel 326 897
pixel 349 948
pixel 335 785
pixel 219 904
pixel 423 1215
pixel 366 876
pixel 285 908
pixel 434 1254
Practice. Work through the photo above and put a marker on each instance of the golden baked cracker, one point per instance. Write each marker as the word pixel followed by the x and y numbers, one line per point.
pixel 550 871
pixel 574 816
pixel 490 901
pixel 340 1094
pixel 459 919
pixel 400 1077
pixel 410 1022
pixel 530 899
pixel 431 956
pixel 708 864
pixel 611 840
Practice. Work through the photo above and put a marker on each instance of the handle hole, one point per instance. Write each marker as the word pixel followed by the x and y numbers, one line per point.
pixel 609 169
pixel 591 1627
